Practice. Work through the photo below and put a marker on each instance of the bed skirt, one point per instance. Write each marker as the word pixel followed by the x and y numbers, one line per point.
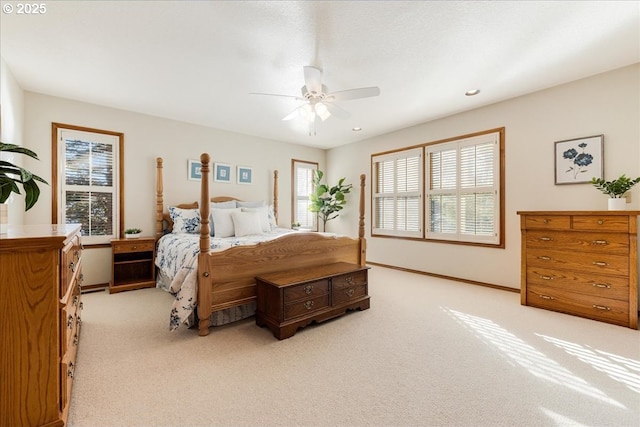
pixel 217 318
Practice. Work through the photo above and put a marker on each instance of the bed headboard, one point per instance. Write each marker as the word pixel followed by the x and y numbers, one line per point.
pixel 164 224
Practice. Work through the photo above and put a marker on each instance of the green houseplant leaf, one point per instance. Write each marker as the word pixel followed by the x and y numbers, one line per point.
pixel 327 201
pixel 11 175
pixel 615 188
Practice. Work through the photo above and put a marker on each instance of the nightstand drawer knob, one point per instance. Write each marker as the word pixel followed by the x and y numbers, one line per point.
pixel 544 258
pixel 546 277
pixel 546 297
pixel 308 289
pixel 308 305
pixel 601 307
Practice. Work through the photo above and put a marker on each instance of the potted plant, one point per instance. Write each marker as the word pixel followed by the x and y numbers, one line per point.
pixel 10 176
pixel 132 233
pixel 327 201
pixel 615 190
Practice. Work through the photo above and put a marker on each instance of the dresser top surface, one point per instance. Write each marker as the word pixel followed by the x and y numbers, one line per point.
pixel 612 213
pixel 18 234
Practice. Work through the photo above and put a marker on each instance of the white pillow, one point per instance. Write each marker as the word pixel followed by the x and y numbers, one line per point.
pixel 218 205
pixel 222 222
pixel 250 204
pixel 272 217
pixel 263 213
pixel 185 220
pixel 246 223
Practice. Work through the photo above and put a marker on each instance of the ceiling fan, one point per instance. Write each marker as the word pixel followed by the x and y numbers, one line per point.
pixel 319 102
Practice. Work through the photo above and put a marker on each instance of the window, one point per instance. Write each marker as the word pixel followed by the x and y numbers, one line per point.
pixel 450 190
pixel 397 193
pixel 463 189
pixel 87 180
pixel 301 188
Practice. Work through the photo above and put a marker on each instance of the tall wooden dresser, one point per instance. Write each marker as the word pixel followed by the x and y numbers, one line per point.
pixel 40 277
pixel 583 263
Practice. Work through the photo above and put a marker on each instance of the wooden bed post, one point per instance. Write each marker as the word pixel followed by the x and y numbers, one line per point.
pixel 275 195
pixel 363 241
pixel 159 198
pixel 204 276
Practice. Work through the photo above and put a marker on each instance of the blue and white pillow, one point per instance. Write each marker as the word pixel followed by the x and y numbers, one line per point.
pixel 185 220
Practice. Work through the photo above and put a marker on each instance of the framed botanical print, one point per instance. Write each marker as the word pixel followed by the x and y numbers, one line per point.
pixel 578 160
pixel 244 175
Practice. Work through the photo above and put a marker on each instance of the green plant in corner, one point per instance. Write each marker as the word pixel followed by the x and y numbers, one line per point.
pixel 327 201
pixel 616 188
pixel 11 175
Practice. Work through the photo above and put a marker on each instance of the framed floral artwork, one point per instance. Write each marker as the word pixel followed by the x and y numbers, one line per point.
pixel 194 173
pixel 578 160
pixel 244 175
pixel 221 172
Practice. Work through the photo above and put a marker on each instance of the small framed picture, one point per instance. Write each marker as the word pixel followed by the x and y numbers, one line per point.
pixel 578 160
pixel 244 175
pixel 222 172
pixel 193 169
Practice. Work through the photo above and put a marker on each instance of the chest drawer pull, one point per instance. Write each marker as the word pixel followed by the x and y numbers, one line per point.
pixel 601 307
pixel 546 277
pixel 308 289
pixel 545 258
pixel 308 305
pixel 349 279
pixel 546 297
pixel 599 263
pixel 545 239
pixel 602 285
pixel 599 242
pixel 349 292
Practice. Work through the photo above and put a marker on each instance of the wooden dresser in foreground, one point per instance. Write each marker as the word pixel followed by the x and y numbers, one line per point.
pixel 292 299
pixel 40 277
pixel 583 263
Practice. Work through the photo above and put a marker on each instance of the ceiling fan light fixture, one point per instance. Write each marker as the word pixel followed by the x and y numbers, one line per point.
pixel 322 111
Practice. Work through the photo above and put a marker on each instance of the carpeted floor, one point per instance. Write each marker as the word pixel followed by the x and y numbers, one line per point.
pixel 429 352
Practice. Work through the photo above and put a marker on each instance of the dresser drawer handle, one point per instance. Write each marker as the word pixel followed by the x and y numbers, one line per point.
pixel 70 370
pixel 308 289
pixel 79 319
pixel 546 239
pixel 81 305
pixel 545 258
pixel 76 339
pixel 349 292
pixel 546 297
pixel 76 254
pixel 349 279
pixel 546 277
pixel 601 307
pixel 72 267
pixel 599 263
pixel 602 285
pixel 308 305
pixel 70 322
pixel 599 242
pixel 75 300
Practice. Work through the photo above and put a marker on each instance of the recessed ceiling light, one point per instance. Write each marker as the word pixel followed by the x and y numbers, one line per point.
pixel 356 129
pixel 472 92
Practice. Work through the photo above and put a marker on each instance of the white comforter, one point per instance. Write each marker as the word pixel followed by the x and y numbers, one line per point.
pixel 177 258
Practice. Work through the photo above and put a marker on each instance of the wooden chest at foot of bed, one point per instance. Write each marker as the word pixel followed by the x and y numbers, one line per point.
pixel 292 299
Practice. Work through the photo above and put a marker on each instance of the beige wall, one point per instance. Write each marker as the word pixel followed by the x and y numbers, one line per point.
pixel 12 122
pixel 606 104
pixel 147 137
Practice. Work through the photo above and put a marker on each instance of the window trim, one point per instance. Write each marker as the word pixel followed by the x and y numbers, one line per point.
pixel 55 162
pixel 315 165
pixel 501 209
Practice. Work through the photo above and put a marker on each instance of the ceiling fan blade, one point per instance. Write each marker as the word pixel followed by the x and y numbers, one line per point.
pixel 313 79
pixel 337 111
pixel 345 95
pixel 276 94
pixel 293 114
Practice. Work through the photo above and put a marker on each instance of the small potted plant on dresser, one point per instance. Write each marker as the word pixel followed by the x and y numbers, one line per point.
pixel 132 233
pixel 616 190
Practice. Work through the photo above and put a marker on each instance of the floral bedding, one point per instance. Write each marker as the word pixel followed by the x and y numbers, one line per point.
pixel 177 258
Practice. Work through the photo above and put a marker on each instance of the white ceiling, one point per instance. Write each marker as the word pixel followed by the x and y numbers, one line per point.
pixel 197 61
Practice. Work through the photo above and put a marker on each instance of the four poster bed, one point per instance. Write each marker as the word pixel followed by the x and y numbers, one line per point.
pixel 223 270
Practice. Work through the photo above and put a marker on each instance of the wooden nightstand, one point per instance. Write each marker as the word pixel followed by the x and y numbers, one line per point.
pixel 132 264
